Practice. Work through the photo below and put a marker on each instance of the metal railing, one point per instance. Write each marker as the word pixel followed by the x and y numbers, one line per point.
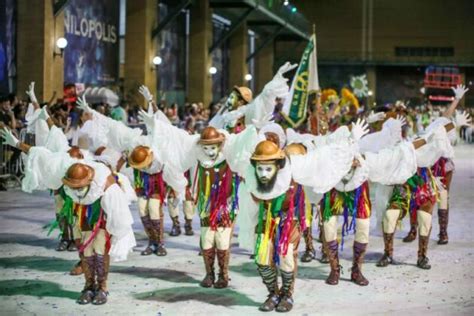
pixel 11 161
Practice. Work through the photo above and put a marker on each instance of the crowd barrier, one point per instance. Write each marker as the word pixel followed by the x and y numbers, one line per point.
pixel 11 162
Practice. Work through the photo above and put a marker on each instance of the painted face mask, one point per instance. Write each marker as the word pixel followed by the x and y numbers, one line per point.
pixel 211 151
pixel 232 100
pixel 81 192
pixel 266 176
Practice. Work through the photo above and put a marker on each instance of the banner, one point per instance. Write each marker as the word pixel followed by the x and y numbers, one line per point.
pixel 305 84
pixel 7 45
pixel 92 54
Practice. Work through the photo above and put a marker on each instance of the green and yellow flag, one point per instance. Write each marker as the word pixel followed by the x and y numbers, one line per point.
pixel 305 84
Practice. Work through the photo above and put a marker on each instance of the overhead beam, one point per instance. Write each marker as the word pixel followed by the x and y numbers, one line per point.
pixel 58 6
pixel 170 17
pixel 227 4
pixel 261 23
pixel 233 28
pixel 267 41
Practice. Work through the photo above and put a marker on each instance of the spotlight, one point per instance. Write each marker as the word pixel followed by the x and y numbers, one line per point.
pixel 248 77
pixel 370 93
pixel 212 70
pixel 157 60
pixel 61 43
pixel 286 2
pixel 293 10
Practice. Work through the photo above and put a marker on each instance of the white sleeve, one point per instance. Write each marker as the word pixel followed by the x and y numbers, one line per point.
pixel 438 147
pixel 127 188
pixel 247 219
pixel 324 167
pixel 390 135
pixel 442 121
pixel 56 141
pixel 264 103
pixel 392 165
pixel 119 222
pixel 44 169
pixel 238 149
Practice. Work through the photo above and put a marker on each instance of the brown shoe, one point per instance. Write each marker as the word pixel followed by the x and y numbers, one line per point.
pixel 188 227
pixel 62 245
pixel 146 221
pixel 72 246
pixel 423 261
pixel 102 270
pixel 359 253
pixel 333 278
pixel 223 262
pixel 87 294
pixel 443 217
pixel 411 234
pixel 309 253
pixel 209 258
pixel 161 251
pixel 76 269
pixel 176 229
pixel 388 251
pixel 285 305
pixel 269 278
pixel 270 304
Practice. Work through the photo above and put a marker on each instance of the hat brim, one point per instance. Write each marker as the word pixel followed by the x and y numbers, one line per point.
pixel 212 141
pixel 141 165
pixel 277 156
pixel 75 184
pixel 237 89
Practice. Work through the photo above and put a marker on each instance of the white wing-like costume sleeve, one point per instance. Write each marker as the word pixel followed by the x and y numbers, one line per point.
pixel 119 222
pixel 36 126
pixel 264 103
pixel 238 149
pixel 442 121
pixel 322 168
pixel 392 165
pixel 247 219
pixel 427 155
pixel 45 169
pixel 56 141
pixel 390 135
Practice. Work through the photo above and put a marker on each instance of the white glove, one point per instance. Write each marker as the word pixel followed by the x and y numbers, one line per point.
pixel 459 91
pixel 43 114
pixel 285 68
pixel 146 93
pixel 31 92
pixel 82 104
pixel 8 137
pixel 267 119
pixel 150 109
pixel 462 119
pixel 401 119
pixel 375 117
pixel 146 118
pixel 359 129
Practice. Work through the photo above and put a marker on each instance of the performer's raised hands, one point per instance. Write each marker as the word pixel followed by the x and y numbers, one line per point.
pixel 146 117
pixel 359 129
pixel 459 91
pixel 82 104
pixel 401 119
pixel 146 93
pixel 285 68
pixel 31 93
pixel 8 137
pixel 375 117
pixel 462 118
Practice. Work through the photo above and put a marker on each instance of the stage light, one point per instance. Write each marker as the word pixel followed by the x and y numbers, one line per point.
pixel 157 60
pixel 61 43
pixel 293 10
pixel 286 2
pixel 248 77
pixel 212 70
pixel 370 93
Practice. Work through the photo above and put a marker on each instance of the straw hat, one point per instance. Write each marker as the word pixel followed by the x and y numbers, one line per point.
pixel 295 149
pixel 75 152
pixel 267 151
pixel 78 176
pixel 141 157
pixel 211 136
pixel 245 93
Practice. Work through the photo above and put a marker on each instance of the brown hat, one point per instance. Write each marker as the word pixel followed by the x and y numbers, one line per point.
pixel 141 157
pixel 75 152
pixel 211 136
pixel 78 176
pixel 273 137
pixel 267 151
pixel 245 93
pixel 295 149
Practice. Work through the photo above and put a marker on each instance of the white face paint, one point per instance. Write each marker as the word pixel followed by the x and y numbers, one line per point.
pixel 231 103
pixel 211 150
pixel 81 192
pixel 265 171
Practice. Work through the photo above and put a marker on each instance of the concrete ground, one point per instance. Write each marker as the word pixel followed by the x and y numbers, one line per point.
pixel 34 278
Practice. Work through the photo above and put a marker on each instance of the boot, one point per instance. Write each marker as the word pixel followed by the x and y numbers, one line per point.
pixel 286 292
pixel 188 227
pixel 309 253
pixel 411 234
pixel 72 244
pixel 158 238
pixel 147 225
pixel 77 269
pixel 387 257
pixel 443 217
pixel 423 261
pixel 102 270
pixel 333 278
pixel 223 261
pixel 356 276
pixel 209 257
pixel 176 229
pixel 269 278
pixel 87 294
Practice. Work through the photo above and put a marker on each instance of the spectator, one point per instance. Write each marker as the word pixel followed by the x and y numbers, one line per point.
pixel 120 113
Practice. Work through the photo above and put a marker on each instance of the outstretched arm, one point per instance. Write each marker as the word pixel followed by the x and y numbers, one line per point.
pixel 459 92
